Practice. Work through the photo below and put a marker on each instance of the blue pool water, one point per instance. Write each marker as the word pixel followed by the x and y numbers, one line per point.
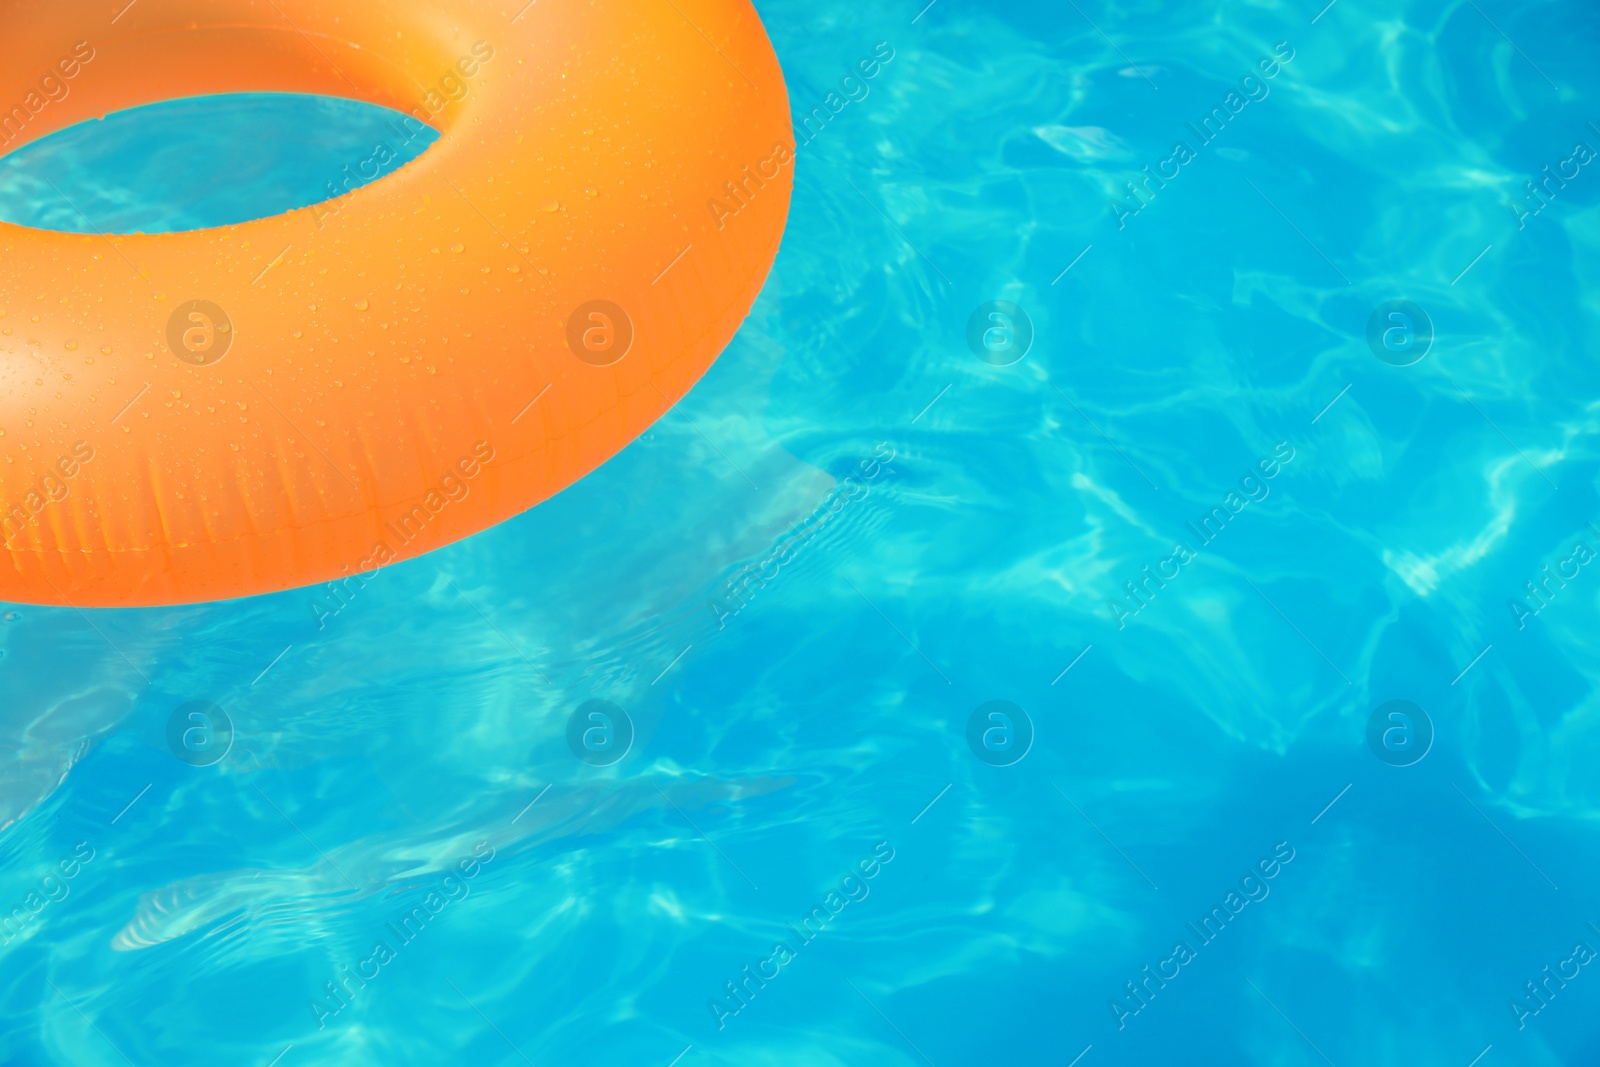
pixel 930 532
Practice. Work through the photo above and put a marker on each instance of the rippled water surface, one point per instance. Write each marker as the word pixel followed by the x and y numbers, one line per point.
pixel 1200 535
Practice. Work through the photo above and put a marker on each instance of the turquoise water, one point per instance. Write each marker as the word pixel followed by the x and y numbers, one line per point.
pixel 806 586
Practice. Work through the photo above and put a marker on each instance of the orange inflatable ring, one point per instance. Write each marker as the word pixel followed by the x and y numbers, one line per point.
pixel 202 415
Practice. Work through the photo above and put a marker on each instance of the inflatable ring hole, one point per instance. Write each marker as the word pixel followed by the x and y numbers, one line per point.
pixel 202 162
